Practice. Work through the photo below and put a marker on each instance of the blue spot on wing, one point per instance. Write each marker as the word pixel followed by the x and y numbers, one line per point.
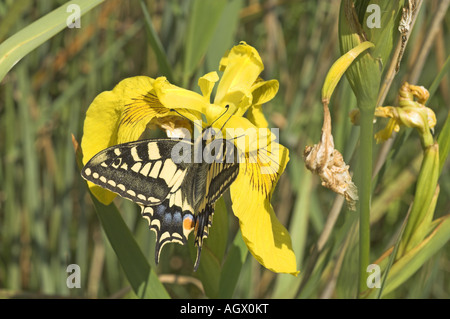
pixel 170 221
pixel 160 209
pixel 177 218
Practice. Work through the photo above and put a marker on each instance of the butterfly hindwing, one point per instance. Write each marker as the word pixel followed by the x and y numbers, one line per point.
pixel 170 223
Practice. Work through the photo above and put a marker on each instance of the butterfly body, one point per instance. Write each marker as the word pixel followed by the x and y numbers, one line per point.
pixel 175 190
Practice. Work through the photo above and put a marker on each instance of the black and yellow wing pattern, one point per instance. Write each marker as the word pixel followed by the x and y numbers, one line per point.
pixel 176 193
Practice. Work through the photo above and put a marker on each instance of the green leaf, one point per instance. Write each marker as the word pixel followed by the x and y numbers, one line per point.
pixel 203 21
pixel 15 11
pixel 444 143
pixel 30 37
pixel 223 37
pixel 437 80
pixel 421 215
pixel 232 266
pixel 406 266
pixel 155 43
pixel 142 278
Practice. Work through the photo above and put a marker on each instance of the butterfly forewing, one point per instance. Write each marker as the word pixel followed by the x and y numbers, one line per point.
pixel 142 171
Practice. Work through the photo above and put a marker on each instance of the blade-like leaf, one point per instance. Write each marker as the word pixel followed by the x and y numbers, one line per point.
pixel 155 43
pixel 444 143
pixel 142 278
pixel 232 267
pixel 406 266
pixel 203 21
pixel 30 37
pixel 223 37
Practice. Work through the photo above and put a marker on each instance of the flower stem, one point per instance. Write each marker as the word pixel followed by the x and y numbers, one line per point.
pixel 365 189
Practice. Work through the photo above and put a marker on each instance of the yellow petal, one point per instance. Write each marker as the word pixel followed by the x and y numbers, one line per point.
pixel 264 91
pixel 386 133
pixel 121 116
pixel 103 117
pixel 249 138
pixel 217 114
pixel 238 99
pixel 174 97
pixel 242 67
pixel 206 84
pixel 416 117
pixel 386 111
pixel 256 116
pixel 266 238
pixel 138 105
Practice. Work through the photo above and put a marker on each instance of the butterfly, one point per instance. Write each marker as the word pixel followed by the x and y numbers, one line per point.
pixel 176 182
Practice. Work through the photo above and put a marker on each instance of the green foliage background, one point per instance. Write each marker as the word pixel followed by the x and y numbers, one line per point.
pixel 48 219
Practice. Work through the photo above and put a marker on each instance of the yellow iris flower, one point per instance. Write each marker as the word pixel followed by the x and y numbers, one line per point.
pixel 123 114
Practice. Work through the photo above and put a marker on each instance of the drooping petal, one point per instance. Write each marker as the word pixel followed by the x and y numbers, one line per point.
pixel 242 66
pixel 266 238
pixel 262 161
pixel 417 117
pixel 386 133
pixel 137 113
pixel 111 119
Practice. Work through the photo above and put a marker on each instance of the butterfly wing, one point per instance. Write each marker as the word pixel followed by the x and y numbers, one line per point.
pixel 169 191
pixel 140 171
pixel 213 180
pixel 147 173
pixel 172 224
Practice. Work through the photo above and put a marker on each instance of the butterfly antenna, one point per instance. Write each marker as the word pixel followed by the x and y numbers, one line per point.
pixel 195 123
pixel 226 110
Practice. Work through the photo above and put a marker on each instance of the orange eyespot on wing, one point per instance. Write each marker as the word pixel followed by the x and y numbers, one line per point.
pixel 188 223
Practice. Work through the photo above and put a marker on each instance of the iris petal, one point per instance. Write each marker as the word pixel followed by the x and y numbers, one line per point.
pixel 206 84
pixel 174 97
pixel 266 238
pixel 104 125
pixel 242 67
pixel 256 116
pixel 264 91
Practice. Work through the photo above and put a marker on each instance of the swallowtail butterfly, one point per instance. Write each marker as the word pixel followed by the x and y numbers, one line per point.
pixel 175 191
